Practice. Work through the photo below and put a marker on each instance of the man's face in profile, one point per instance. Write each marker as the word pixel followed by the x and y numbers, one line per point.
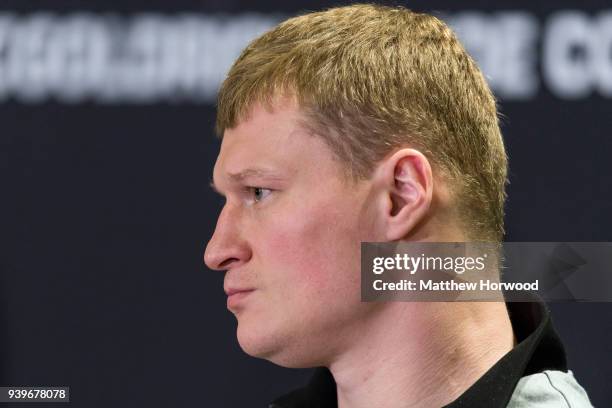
pixel 289 238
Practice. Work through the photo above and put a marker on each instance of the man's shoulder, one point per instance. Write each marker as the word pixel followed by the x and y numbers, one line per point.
pixel 548 389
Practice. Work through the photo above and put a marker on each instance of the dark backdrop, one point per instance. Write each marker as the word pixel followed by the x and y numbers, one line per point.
pixel 105 205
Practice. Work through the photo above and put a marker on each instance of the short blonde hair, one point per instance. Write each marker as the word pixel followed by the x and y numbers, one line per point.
pixel 372 79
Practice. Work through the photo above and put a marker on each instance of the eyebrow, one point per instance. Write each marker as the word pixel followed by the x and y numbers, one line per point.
pixel 248 173
pixel 253 172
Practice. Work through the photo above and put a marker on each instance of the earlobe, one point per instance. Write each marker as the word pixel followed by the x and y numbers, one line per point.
pixel 410 187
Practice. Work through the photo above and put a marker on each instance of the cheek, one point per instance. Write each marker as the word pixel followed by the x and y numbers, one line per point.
pixel 316 252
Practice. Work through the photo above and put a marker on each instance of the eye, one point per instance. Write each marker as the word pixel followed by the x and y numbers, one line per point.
pixel 259 193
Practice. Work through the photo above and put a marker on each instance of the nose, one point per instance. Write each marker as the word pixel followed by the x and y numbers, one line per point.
pixel 227 248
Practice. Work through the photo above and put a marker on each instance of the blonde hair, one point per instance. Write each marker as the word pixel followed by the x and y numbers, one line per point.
pixel 371 79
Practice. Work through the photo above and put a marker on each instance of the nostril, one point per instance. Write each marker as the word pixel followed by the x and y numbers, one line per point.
pixel 227 262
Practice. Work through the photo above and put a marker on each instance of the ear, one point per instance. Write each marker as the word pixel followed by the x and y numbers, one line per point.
pixel 407 183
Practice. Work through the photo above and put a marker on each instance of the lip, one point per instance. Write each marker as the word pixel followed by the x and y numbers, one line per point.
pixel 236 296
pixel 232 291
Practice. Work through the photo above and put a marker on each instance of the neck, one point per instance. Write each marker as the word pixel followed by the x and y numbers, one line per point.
pixel 417 355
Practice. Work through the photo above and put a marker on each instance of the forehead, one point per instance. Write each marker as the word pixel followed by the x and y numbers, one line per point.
pixel 273 138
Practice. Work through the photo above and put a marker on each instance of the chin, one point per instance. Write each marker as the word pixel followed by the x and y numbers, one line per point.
pixel 274 347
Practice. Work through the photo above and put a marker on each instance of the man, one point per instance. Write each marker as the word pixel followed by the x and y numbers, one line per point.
pixel 369 123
